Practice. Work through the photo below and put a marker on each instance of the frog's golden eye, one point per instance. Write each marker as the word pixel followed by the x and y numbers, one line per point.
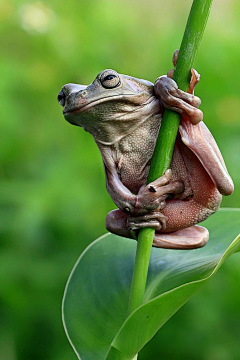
pixel 110 80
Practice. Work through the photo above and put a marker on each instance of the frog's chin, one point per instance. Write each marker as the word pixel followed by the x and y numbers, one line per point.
pixel 82 106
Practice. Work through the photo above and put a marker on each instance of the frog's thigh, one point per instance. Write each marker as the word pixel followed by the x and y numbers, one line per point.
pixel 182 214
pixel 116 223
pixel 190 238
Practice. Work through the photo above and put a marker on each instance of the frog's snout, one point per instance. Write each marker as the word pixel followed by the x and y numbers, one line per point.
pixel 69 91
pixel 61 98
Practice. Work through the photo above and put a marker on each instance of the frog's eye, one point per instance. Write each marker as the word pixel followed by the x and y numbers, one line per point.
pixel 110 80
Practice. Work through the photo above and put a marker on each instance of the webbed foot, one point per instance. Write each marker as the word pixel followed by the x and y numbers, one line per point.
pixel 173 98
pixel 185 103
pixel 155 220
pixel 152 196
pixel 189 238
pixel 195 75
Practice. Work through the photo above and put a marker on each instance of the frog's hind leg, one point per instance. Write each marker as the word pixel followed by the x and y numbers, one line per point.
pixel 190 238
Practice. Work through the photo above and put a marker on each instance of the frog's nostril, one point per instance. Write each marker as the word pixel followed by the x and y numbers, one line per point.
pixel 61 98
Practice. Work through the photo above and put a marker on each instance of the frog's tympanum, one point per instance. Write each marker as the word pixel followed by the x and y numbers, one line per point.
pixel 124 115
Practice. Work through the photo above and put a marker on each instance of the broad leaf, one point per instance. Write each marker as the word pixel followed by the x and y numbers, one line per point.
pixel 96 296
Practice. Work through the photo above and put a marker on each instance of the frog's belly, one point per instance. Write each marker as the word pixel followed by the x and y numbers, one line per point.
pixel 134 153
pixel 134 175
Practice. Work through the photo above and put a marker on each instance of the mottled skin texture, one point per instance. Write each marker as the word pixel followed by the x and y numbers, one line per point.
pixel 124 115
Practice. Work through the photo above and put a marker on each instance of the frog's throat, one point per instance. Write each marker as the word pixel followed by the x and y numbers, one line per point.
pixel 115 128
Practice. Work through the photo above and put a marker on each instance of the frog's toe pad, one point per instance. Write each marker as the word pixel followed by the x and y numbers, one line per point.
pixel 190 238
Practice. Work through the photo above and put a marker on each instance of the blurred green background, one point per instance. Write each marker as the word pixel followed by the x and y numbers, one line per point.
pixel 53 197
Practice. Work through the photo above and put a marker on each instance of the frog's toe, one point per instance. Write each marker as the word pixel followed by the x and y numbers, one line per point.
pixel 174 61
pixel 175 57
pixel 190 238
pixel 161 181
pixel 191 99
pixel 194 80
pixel 169 93
pixel 155 220
pixel 135 225
pixel 170 73
pixel 172 98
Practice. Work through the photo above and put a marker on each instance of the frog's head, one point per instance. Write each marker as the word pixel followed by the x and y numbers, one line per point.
pixel 110 106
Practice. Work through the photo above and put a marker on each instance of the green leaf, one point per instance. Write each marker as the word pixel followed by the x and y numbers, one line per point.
pixel 96 296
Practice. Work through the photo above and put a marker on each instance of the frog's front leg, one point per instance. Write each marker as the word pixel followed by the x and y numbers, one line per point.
pixel 194 133
pixel 150 197
pixel 186 104
pixel 141 210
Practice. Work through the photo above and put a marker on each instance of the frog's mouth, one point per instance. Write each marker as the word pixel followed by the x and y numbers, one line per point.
pixel 82 106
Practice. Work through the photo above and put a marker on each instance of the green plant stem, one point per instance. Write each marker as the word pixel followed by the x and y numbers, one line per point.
pixel 162 156
pixel 144 246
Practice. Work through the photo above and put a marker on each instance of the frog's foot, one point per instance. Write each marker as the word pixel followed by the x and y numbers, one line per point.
pixel 194 81
pixel 177 100
pixel 174 61
pixel 175 57
pixel 195 75
pixel 155 220
pixel 195 78
pixel 189 238
pixel 152 196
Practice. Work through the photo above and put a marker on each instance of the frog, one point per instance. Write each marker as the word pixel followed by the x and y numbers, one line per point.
pixel 124 116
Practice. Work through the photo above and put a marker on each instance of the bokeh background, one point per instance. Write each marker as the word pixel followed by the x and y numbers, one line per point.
pixel 52 193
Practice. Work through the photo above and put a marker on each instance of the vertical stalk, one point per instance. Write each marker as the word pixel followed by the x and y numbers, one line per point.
pixel 144 246
pixel 167 136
